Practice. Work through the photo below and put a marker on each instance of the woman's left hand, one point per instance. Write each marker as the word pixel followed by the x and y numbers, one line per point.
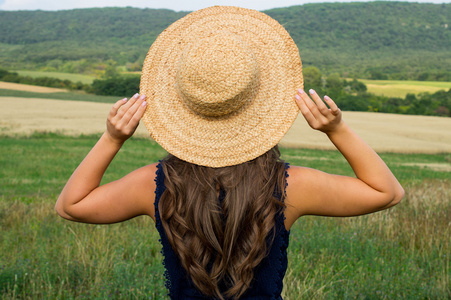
pixel 124 117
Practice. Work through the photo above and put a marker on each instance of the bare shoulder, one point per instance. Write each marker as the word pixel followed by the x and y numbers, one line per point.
pixel 302 179
pixel 143 186
pixel 300 182
pixel 144 177
pixel 148 172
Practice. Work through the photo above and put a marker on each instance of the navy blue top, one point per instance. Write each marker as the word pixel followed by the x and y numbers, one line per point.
pixel 268 275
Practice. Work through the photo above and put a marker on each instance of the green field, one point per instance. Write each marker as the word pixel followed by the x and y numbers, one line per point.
pixel 63 76
pixel 402 253
pixel 400 88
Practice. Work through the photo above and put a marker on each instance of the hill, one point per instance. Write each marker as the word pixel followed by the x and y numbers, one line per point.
pixel 377 40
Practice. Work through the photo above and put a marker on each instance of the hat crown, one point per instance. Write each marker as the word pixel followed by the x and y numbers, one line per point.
pixel 217 75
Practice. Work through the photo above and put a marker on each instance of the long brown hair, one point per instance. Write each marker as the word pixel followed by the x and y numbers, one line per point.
pixel 219 243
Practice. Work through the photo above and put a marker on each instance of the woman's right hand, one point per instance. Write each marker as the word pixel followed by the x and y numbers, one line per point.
pixel 312 192
pixel 317 114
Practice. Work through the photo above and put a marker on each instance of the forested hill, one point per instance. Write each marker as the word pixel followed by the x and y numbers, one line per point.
pixel 398 40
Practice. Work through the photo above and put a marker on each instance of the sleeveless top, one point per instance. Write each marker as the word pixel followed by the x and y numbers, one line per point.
pixel 268 275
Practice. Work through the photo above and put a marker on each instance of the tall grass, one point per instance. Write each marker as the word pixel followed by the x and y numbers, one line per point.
pixel 46 257
pixel 402 253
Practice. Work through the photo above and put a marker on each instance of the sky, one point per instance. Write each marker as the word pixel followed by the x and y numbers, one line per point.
pixel 177 5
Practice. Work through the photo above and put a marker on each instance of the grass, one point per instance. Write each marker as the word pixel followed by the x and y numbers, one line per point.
pixel 60 96
pixel 46 160
pixel 45 257
pixel 406 167
pixel 400 88
pixel 63 76
pixel 402 253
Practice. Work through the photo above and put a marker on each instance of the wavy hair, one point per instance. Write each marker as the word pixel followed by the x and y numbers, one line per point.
pixel 219 243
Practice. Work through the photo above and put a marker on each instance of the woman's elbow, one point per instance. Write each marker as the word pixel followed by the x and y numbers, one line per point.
pixel 59 208
pixel 399 195
pixel 396 197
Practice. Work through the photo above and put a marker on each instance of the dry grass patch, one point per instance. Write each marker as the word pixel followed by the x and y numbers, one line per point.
pixel 27 115
pixel 384 132
pixel 433 166
pixel 29 88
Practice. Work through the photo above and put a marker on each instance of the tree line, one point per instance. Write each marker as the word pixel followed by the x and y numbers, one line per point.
pixel 113 84
pixel 350 95
pixel 41 81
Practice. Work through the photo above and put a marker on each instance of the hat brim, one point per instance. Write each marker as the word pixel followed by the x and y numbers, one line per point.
pixel 237 138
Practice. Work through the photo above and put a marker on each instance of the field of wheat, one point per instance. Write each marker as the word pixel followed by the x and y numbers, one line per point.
pixel 384 132
pixel 29 88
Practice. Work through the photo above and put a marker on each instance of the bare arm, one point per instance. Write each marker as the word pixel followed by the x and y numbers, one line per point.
pixel 312 192
pixel 83 200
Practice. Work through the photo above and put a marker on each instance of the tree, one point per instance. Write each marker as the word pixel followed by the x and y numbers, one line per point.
pixel 312 78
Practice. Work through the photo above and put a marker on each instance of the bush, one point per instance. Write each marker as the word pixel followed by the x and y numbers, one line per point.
pixel 116 86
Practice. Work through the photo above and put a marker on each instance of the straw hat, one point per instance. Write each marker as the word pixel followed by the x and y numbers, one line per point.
pixel 220 86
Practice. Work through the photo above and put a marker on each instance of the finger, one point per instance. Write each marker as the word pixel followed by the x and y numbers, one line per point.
pixel 320 116
pixel 139 113
pixel 134 109
pixel 131 126
pixel 299 101
pixel 333 106
pixel 127 105
pixel 319 103
pixel 116 106
pixel 307 101
pixel 306 112
pixel 128 115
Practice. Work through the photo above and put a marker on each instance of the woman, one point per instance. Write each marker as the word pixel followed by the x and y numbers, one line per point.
pixel 223 86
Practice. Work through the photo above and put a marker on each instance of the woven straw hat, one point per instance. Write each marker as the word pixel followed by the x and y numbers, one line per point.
pixel 220 86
